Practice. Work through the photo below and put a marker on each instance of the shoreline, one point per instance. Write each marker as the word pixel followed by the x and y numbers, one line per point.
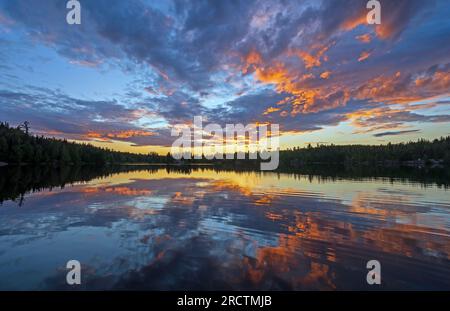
pixel 239 166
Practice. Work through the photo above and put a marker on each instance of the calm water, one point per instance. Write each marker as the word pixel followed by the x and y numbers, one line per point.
pixel 203 229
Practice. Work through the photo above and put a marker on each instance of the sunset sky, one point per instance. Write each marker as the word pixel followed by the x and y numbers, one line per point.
pixel 134 69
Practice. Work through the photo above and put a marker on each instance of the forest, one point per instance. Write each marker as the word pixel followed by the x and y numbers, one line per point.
pixel 18 146
pixel 414 153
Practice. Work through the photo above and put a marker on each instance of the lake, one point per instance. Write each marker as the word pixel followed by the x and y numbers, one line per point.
pixel 158 228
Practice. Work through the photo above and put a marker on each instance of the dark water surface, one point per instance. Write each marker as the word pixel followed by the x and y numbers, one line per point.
pixel 154 228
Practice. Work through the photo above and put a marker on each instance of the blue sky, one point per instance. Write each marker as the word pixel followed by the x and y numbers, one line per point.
pixel 134 69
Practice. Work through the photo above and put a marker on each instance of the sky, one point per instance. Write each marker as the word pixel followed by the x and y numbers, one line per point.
pixel 135 69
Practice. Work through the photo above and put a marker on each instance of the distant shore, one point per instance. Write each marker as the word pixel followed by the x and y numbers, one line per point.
pixel 19 147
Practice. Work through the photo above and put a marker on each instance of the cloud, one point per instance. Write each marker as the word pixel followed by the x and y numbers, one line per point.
pixel 58 115
pixel 364 55
pixel 395 133
pixel 305 65
pixel 396 16
pixel 325 74
pixel 390 117
pixel 365 38
pixel 405 88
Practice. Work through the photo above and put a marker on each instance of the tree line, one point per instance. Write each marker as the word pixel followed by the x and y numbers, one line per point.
pixel 415 153
pixel 18 146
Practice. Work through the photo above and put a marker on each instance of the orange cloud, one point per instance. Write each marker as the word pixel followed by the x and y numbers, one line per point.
pixel 439 81
pixel 354 21
pixel 106 137
pixel 130 133
pixel 313 59
pixel 398 88
pixel 94 135
pixel 393 15
pixel 309 60
pixel 270 110
pixel 364 55
pixel 125 191
pixel 251 60
pixel 303 99
pixel 383 118
pixel 276 74
pixel 364 38
pixel 325 74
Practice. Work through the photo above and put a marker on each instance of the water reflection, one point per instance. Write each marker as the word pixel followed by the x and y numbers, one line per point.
pixel 171 228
